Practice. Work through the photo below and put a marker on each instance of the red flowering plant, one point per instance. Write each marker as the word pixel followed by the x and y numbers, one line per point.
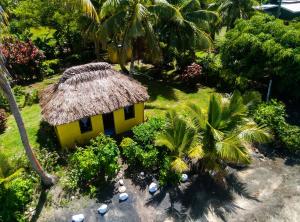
pixel 191 72
pixel 23 59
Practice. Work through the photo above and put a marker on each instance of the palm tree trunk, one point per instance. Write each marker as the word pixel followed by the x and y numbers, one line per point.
pixel 47 179
pixel 131 72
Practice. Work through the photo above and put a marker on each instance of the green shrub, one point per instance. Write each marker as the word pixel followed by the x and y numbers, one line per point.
pixel 50 67
pixel 273 115
pixel 14 196
pixel 3 120
pixel 166 174
pixel 94 162
pixel 144 133
pixel 138 156
pixel 290 138
pixel 3 102
pixel 48 159
pixel 31 98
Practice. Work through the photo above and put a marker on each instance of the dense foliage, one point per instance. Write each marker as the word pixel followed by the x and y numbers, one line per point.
pixel 273 115
pixel 140 151
pixel 3 120
pixel 95 162
pixel 15 194
pixel 264 48
pixel 23 59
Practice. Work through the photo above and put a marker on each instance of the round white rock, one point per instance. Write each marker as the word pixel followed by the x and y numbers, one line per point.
pixel 78 218
pixel 153 188
pixel 123 196
pixel 102 209
pixel 184 177
pixel 122 189
pixel 121 182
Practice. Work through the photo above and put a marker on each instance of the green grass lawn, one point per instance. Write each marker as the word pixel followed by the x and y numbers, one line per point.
pixel 162 97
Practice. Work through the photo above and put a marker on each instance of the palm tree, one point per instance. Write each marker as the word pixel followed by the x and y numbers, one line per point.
pixel 225 130
pixel 181 140
pixel 47 179
pixel 128 25
pixel 183 24
pixel 231 10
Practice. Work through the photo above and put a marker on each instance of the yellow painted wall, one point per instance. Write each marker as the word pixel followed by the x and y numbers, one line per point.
pixel 122 125
pixel 69 134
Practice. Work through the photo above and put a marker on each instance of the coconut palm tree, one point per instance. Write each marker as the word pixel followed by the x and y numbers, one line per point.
pixel 183 24
pixel 5 87
pixel 225 130
pixel 128 25
pixel 181 140
pixel 231 10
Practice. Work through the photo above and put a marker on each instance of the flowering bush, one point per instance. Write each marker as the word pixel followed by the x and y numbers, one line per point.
pixel 23 59
pixel 191 72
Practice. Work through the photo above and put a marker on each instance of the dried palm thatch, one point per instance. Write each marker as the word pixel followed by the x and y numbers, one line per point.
pixel 89 90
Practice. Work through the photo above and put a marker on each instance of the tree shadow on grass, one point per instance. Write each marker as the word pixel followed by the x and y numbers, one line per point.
pixel 203 195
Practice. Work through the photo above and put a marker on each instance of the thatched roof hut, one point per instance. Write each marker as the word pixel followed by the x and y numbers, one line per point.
pixel 89 90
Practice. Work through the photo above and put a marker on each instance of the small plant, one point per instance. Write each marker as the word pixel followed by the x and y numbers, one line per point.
pixel 3 120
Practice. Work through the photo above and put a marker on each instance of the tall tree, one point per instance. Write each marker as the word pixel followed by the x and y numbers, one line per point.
pixel 225 130
pixel 231 10
pixel 181 140
pixel 5 87
pixel 183 25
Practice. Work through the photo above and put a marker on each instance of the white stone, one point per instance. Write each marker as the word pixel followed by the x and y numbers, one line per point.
pixel 142 174
pixel 102 209
pixel 153 188
pixel 123 196
pixel 121 182
pixel 122 189
pixel 184 177
pixel 78 218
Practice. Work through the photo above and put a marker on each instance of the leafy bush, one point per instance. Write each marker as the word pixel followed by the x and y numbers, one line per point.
pixel 14 196
pixel 94 162
pixel 145 133
pixel 146 157
pixel 290 138
pixel 22 59
pixel 3 120
pixel 166 174
pixel 261 47
pixel 273 115
pixel 23 98
pixel 50 67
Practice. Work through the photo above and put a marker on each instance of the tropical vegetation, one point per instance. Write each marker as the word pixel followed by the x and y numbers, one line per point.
pixel 192 55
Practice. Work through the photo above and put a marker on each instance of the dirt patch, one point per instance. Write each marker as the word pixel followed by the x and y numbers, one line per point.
pixel 268 190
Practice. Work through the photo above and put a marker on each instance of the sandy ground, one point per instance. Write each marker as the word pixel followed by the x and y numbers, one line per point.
pixel 268 190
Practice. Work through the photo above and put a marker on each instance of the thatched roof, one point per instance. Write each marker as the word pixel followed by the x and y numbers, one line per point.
pixel 88 90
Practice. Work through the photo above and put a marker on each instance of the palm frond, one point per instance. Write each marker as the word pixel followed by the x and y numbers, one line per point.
pixel 196 152
pixel 178 165
pixel 197 117
pixel 89 9
pixel 231 150
pixel 214 111
pixel 253 133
